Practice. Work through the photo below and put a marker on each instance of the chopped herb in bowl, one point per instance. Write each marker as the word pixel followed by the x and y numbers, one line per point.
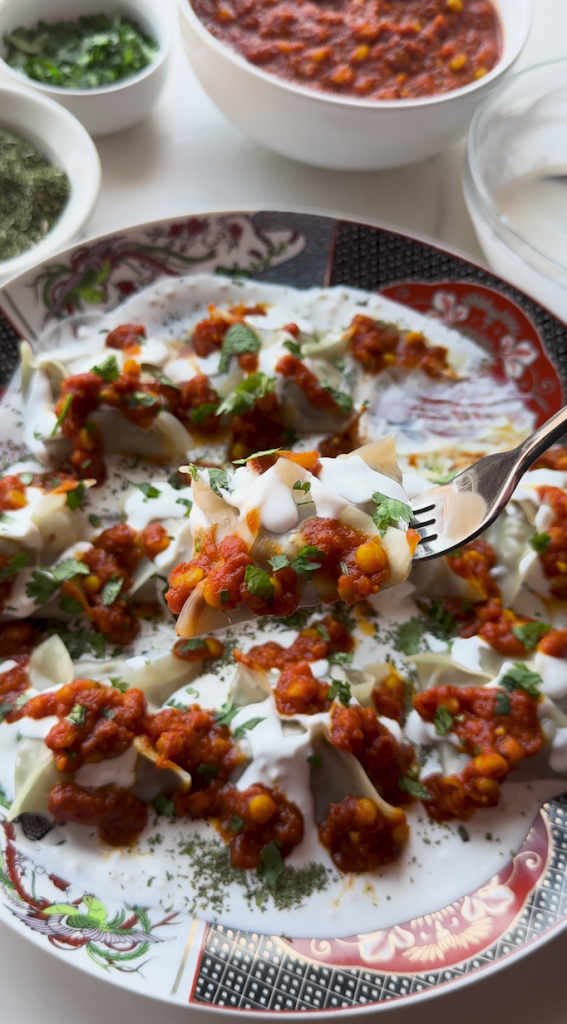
pixel 33 194
pixel 89 53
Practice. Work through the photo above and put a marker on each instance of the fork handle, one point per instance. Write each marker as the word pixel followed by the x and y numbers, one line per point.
pixel 534 446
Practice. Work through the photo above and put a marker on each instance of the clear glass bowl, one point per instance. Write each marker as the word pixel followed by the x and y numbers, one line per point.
pixel 515 182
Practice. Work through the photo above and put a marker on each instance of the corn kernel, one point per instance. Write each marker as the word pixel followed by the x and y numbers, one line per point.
pixel 400 834
pixel 480 72
pixel 562 566
pixel 366 811
pixel 488 787
pixel 390 358
pixel 455 5
pixel 92 584
pixel 458 62
pixel 131 368
pixel 500 731
pixel 262 808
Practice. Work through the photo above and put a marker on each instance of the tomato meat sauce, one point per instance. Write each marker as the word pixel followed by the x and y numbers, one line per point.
pixel 358 835
pixel 251 819
pixel 380 50
pixel 380 346
pixel 328 636
pixel 498 730
pixel 117 812
pixel 357 730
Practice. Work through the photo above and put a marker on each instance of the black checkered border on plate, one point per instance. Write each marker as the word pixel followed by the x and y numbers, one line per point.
pixel 374 258
pixel 245 971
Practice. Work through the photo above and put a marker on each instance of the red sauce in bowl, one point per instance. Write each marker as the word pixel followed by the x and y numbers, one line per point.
pixel 372 49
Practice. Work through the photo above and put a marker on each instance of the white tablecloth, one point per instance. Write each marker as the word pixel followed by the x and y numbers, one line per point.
pixel 186 158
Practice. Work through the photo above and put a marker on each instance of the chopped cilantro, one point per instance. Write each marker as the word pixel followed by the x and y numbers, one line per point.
pixel 108 370
pixel 238 339
pixel 94 520
pixel 408 636
pixel 389 510
pixel 340 658
pixel 521 678
pixel 167 382
pixel 163 805
pixel 63 413
pixel 315 760
pixel 14 566
pixel 26 478
pixel 443 720
pixel 528 633
pixel 226 713
pixel 241 730
pixel 111 591
pixel 119 684
pixel 194 644
pixel 463 834
pixel 540 541
pixel 200 412
pixel 341 399
pixel 77 715
pixel 256 455
pixel 235 823
pixel 224 597
pixel 176 481
pixel 242 399
pixel 107 712
pixel 414 788
pixel 148 490
pixel 258 583
pixel 45 582
pixel 143 398
pixel 70 606
pixel 75 498
pixel 278 562
pixel 294 348
pixel 341 689
pixel 218 478
pixel 339 362
pixel 502 704
pixel 185 501
pixel 208 771
pixel 323 632
pixel 272 865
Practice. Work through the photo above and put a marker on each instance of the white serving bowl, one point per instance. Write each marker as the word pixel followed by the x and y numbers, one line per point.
pixel 64 142
pixel 112 108
pixel 338 132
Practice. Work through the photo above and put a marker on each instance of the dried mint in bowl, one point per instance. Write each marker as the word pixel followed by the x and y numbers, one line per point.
pixel 85 54
pixel 33 194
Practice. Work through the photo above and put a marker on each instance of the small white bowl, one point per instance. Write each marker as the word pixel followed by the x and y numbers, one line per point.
pixel 518 142
pixel 112 108
pixel 64 142
pixel 339 132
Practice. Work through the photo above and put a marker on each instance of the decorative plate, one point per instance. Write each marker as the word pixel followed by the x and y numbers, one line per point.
pixel 179 959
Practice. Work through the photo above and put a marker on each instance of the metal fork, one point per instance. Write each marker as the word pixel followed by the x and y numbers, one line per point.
pixel 452 515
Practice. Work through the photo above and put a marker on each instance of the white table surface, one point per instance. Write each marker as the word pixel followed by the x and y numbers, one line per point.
pixel 185 158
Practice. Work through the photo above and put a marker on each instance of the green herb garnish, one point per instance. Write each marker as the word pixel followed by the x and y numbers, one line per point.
pixel 14 566
pixel 521 678
pixel 75 498
pixel 111 591
pixel 539 542
pixel 77 715
pixel 241 730
pixel 88 53
pixel 341 689
pixel 33 194
pixel 254 387
pixel 443 720
pixel 272 865
pixel 528 633
pixel 238 339
pixel 389 510
pixel 502 704
pixel 258 583
pixel 414 788
pixel 108 370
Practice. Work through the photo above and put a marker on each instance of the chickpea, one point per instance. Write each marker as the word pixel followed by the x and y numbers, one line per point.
pixel 458 62
pixel 510 749
pixel 491 766
pixel 366 811
pixel 360 53
pixel 488 787
pixel 16 499
pixel 216 649
pixel 278 589
pixel 455 5
pixel 371 557
pixel 262 808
